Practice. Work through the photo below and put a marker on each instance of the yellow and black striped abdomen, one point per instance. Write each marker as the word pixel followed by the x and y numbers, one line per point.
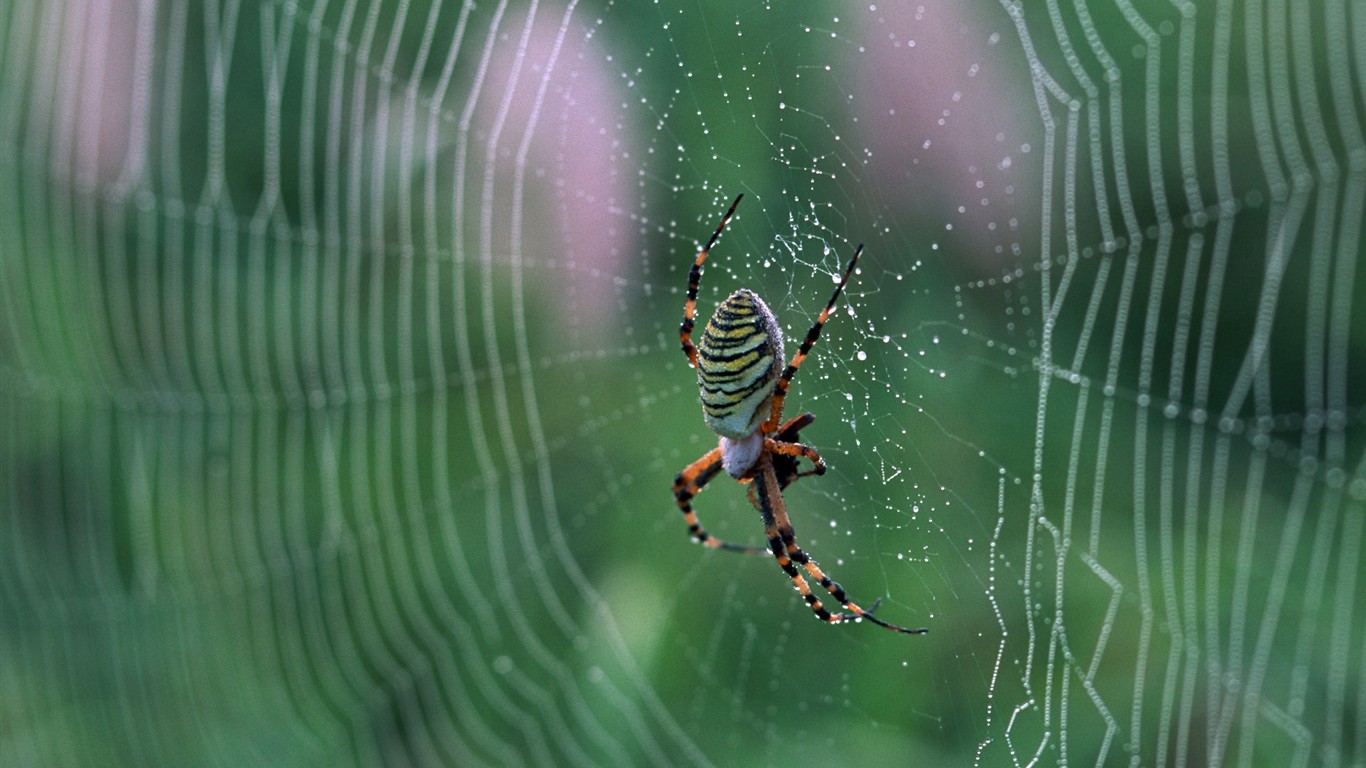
pixel 738 359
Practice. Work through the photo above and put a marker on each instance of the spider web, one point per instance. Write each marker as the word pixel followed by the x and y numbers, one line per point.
pixel 341 391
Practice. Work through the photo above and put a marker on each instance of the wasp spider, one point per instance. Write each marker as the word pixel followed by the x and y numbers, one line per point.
pixel 743 383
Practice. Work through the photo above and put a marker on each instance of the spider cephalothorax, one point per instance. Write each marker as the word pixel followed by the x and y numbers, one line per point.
pixel 742 386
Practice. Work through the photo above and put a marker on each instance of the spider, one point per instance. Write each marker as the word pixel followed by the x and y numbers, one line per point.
pixel 742 385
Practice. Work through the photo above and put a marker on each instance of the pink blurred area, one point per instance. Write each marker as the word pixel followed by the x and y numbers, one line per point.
pixel 554 165
pixel 546 129
pixel 949 118
pixel 554 107
pixel 89 102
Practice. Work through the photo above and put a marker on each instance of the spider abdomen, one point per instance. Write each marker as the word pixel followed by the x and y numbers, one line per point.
pixel 738 360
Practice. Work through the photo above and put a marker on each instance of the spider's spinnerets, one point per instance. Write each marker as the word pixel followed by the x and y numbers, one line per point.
pixel 738 358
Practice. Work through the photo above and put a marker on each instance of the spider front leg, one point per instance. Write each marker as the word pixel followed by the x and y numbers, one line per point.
pixel 688 484
pixel 787 467
pixel 792 451
pixel 695 280
pixel 782 543
pixel 785 381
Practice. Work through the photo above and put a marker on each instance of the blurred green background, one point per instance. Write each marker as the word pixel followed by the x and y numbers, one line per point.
pixel 341 391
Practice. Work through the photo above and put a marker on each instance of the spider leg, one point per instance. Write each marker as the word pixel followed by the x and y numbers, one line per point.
pixel 793 450
pixel 694 280
pixel 784 381
pixel 782 543
pixel 688 484
pixel 785 467
pixel 787 433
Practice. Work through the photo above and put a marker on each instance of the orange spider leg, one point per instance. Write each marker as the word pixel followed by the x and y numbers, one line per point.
pixel 763 499
pixel 688 484
pixel 782 543
pixel 694 280
pixel 785 467
pixel 784 381
pixel 787 433
pixel 796 449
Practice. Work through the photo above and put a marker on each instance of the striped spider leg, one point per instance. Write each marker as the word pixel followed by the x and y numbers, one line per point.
pixel 782 542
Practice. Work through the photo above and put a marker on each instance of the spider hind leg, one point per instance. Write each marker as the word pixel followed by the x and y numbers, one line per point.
pixel 783 545
pixel 688 484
